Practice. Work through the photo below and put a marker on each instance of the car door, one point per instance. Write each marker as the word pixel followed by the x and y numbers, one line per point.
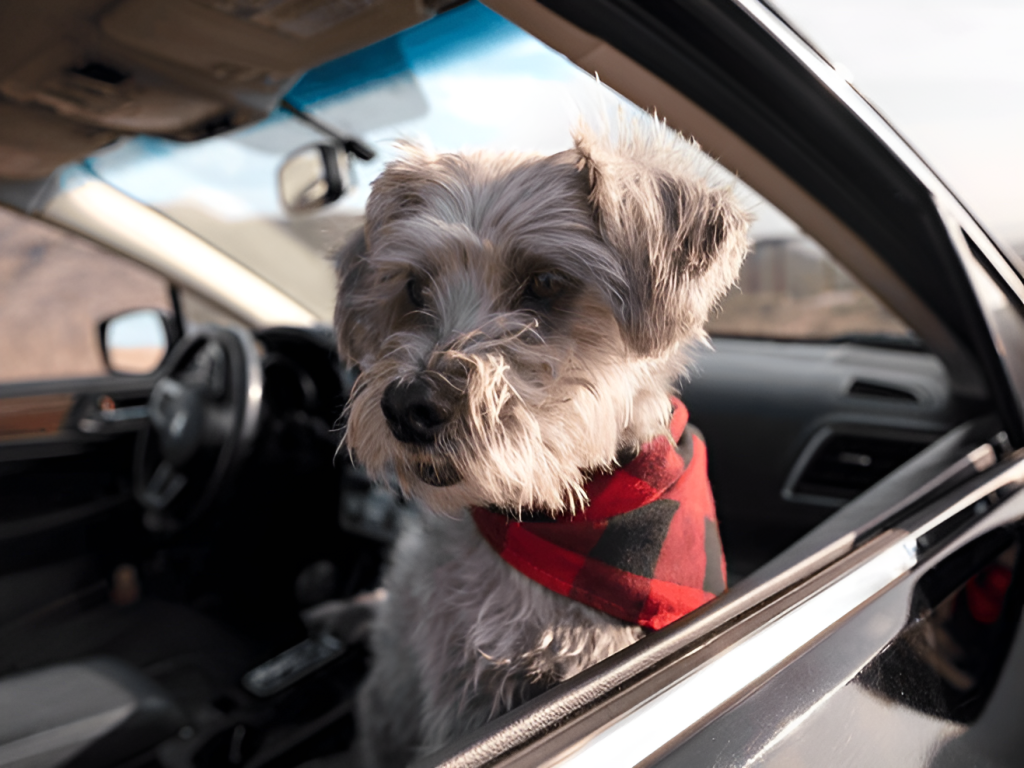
pixel 67 425
pixel 896 651
pixel 887 634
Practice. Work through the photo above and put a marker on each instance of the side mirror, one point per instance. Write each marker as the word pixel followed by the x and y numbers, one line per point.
pixel 313 176
pixel 135 343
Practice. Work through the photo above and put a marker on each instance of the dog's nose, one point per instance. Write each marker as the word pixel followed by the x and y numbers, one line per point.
pixel 415 410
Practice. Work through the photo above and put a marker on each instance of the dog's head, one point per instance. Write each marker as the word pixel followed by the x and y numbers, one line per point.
pixel 518 320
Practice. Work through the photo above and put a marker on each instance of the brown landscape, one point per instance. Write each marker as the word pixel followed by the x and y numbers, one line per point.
pixel 55 289
pixel 793 289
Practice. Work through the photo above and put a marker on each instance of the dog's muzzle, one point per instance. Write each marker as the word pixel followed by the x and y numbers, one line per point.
pixel 416 410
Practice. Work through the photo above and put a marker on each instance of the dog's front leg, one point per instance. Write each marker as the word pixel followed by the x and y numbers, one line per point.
pixel 388 708
pixel 389 704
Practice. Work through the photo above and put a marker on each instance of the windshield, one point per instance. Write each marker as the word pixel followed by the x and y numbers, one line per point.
pixel 466 80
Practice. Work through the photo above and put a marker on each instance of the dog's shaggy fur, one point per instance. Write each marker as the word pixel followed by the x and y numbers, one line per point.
pixel 547 304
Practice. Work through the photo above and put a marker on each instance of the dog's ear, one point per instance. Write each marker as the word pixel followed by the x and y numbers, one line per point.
pixel 354 335
pixel 680 240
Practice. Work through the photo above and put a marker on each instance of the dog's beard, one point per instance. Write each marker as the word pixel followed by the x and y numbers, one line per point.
pixel 535 422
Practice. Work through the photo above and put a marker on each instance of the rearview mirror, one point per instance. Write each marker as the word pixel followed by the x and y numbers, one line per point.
pixel 135 343
pixel 313 176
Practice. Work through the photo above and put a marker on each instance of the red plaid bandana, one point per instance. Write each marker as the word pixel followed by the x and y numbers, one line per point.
pixel 645 550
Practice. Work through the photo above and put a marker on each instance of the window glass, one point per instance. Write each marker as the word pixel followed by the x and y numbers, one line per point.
pixel 55 290
pixel 466 80
pixel 791 288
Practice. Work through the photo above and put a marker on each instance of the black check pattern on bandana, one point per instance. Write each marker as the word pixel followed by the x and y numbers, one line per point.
pixel 645 549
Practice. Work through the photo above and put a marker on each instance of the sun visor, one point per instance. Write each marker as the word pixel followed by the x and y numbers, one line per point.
pixel 75 74
pixel 105 92
pixel 35 141
pixel 256 43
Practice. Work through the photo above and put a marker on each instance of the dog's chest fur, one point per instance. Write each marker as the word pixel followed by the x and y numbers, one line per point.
pixel 470 637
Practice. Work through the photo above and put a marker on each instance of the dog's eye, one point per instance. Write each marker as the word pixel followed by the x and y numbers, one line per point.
pixel 414 289
pixel 543 286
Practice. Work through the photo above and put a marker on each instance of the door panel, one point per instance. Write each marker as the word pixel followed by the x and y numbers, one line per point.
pixel 67 513
pixel 67 427
pixel 34 415
pixel 905 680
pixel 793 434
pixel 684 687
pixel 66 457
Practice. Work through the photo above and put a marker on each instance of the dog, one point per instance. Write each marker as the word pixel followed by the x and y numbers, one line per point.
pixel 519 323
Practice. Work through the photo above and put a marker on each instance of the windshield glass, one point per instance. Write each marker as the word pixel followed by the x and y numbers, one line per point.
pixel 465 80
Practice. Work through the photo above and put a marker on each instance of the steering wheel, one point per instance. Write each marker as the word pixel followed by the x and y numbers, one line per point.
pixel 203 418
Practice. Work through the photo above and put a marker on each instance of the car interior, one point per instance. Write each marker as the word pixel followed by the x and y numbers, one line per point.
pixel 167 559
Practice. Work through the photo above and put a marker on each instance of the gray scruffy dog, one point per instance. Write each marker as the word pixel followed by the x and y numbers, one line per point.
pixel 518 320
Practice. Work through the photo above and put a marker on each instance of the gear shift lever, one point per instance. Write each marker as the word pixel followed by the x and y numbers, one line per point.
pixel 334 625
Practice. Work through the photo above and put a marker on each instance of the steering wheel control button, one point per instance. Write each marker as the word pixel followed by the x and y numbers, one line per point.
pixel 176 413
pixel 163 487
pixel 209 369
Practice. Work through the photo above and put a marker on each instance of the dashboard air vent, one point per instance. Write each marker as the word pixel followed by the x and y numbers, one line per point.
pixel 873 389
pixel 845 465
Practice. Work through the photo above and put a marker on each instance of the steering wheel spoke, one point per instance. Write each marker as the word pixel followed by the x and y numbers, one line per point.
pixel 203 419
pixel 164 486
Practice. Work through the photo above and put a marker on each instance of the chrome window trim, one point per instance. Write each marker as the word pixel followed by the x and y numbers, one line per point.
pixel 669 714
pixel 687 702
pixel 1002 314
